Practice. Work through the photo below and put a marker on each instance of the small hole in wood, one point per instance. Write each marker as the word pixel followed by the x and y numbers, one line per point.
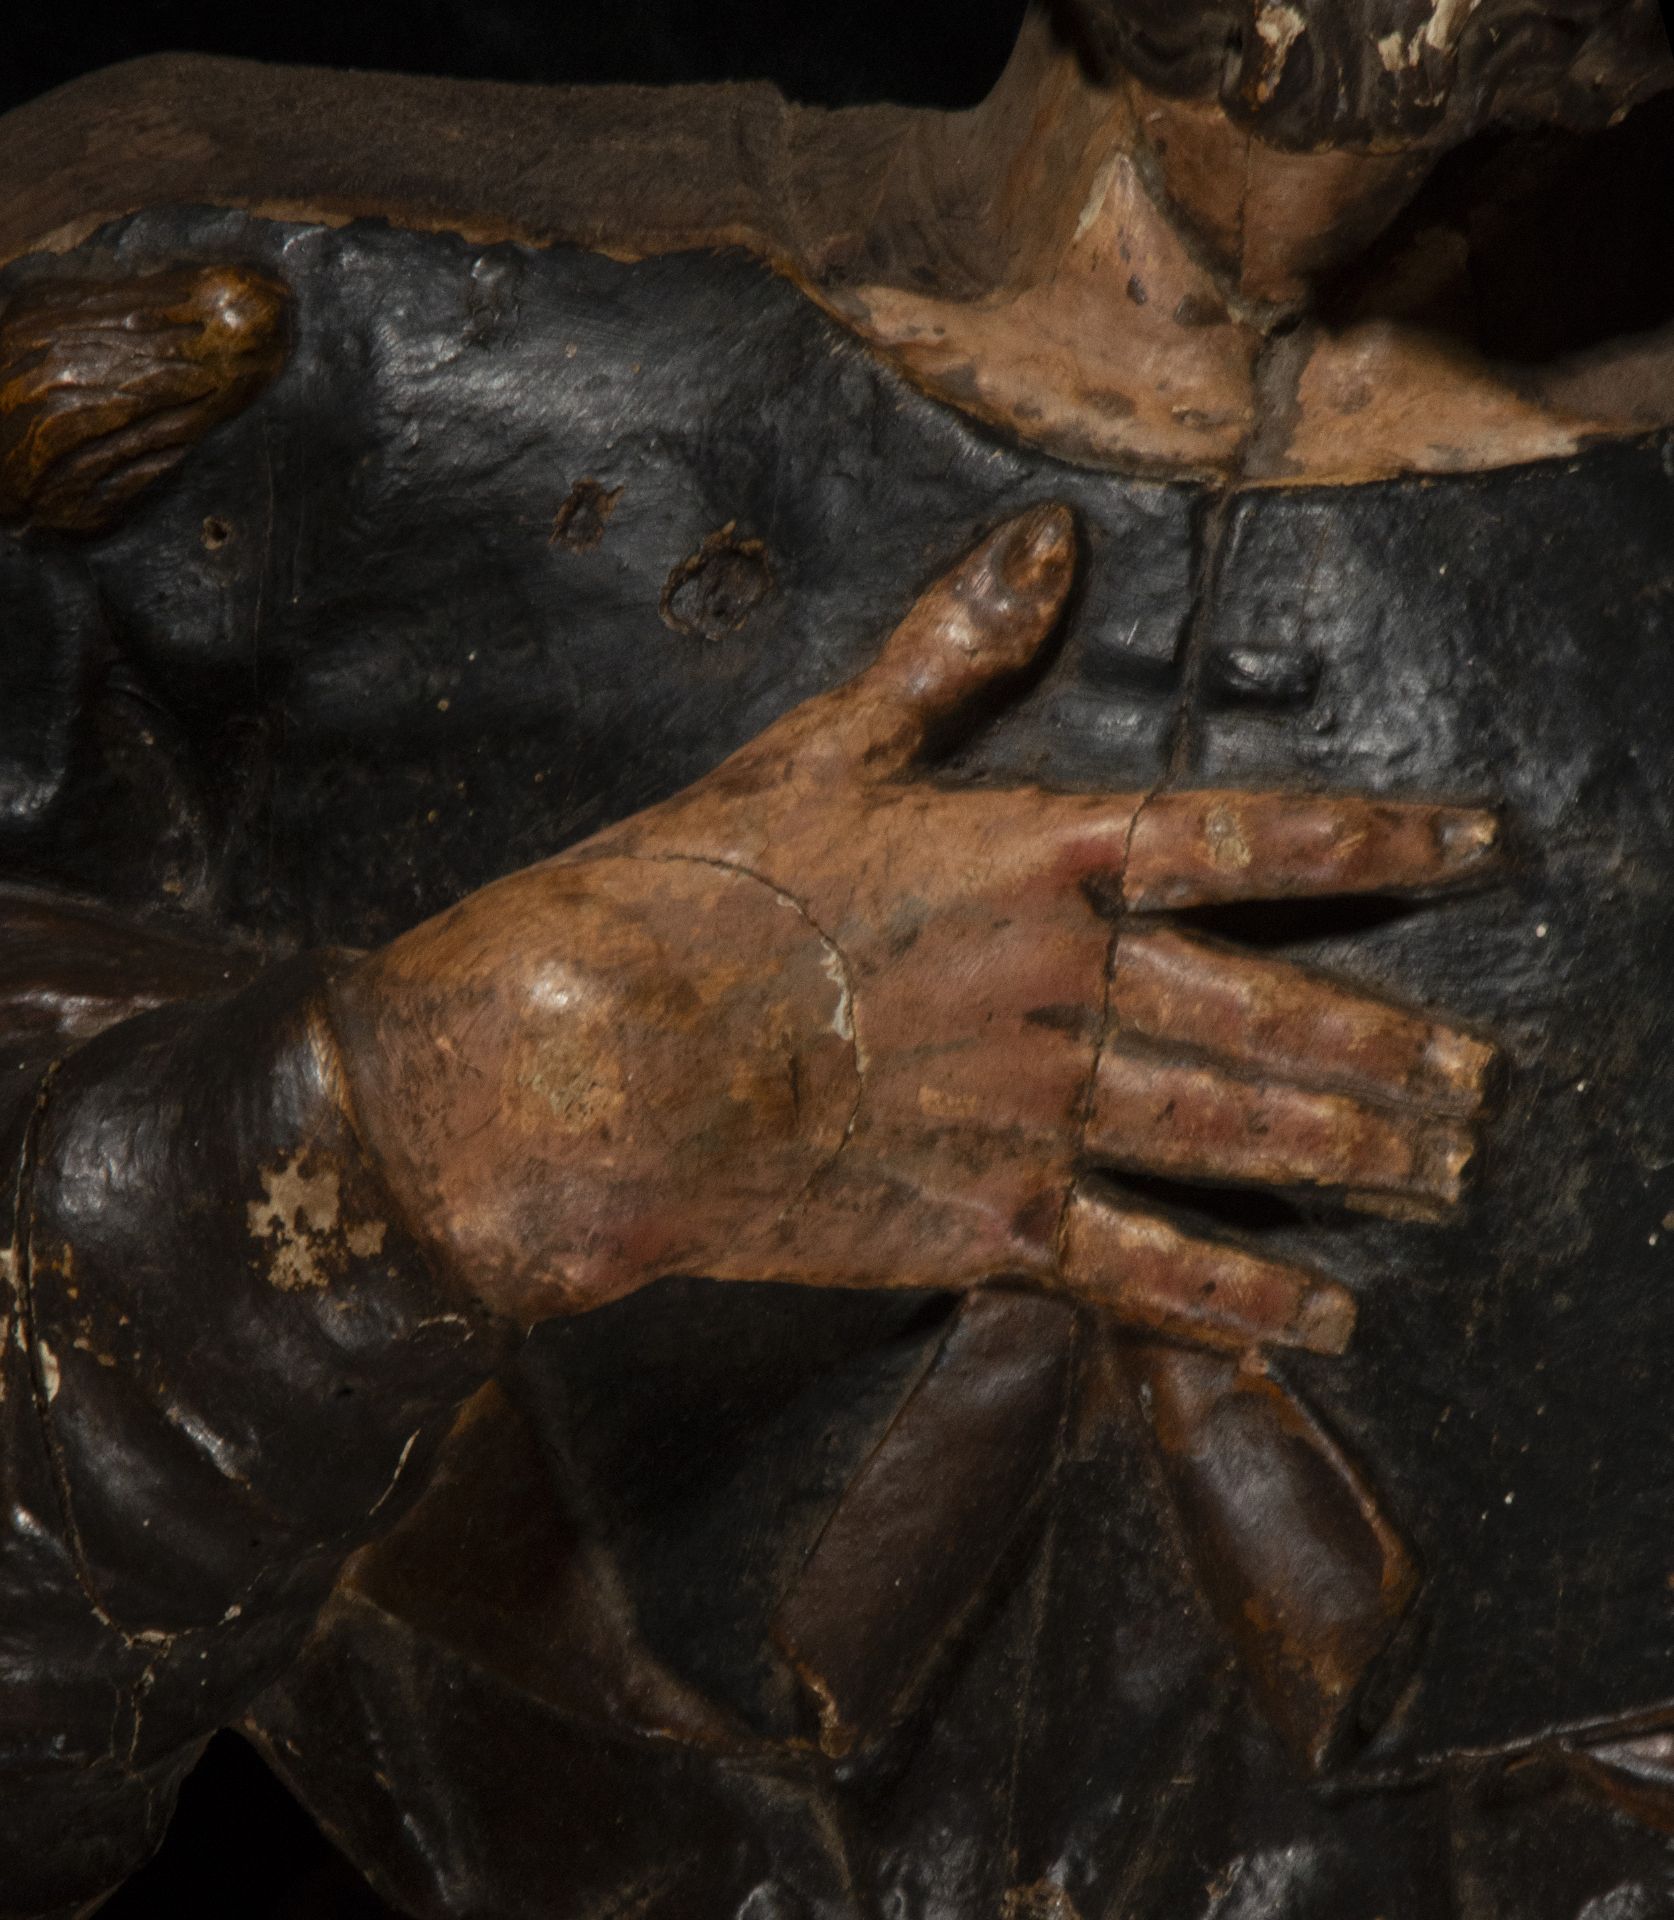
pixel 581 520
pixel 713 592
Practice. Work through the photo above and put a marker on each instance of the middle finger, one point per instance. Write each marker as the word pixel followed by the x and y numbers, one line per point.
pixel 1186 1120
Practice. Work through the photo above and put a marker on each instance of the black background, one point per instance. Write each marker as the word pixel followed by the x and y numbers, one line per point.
pixel 814 50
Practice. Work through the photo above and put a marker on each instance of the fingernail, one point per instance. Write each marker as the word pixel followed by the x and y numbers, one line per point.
pixel 1441 1160
pixel 1037 543
pixel 1324 1321
pixel 1456 1067
pixel 1469 838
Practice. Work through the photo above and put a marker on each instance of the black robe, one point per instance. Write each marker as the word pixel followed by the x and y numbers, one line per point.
pixel 518 542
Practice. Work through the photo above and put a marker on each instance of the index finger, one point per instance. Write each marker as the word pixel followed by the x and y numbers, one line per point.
pixel 1199 849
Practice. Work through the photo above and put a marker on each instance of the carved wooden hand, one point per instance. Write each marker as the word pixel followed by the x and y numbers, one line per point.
pixel 820 1019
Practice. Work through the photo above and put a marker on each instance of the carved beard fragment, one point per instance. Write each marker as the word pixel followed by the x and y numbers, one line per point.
pixel 1322 73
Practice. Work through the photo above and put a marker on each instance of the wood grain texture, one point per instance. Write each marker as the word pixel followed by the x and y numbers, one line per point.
pixel 1096 266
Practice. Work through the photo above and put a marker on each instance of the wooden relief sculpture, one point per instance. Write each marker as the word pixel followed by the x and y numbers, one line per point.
pixel 1038 732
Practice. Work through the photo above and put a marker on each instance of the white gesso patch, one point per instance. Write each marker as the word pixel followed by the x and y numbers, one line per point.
pixel 842 1021
pixel 1280 27
pixel 49 1369
pixel 1104 185
pixel 1440 33
pixel 1446 20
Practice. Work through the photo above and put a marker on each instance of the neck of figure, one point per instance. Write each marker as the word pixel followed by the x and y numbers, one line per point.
pixel 1142 283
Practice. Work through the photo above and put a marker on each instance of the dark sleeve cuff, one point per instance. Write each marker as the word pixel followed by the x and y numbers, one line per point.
pixel 244 1363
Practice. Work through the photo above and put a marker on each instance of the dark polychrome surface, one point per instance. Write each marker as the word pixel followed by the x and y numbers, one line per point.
pixel 1510 636
pixel 338 672
pixel 391 682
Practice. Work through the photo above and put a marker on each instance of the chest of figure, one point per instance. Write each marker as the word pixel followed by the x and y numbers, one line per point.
pixel 519 542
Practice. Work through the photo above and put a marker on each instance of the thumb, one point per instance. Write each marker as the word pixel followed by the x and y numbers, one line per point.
pixel 982 622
